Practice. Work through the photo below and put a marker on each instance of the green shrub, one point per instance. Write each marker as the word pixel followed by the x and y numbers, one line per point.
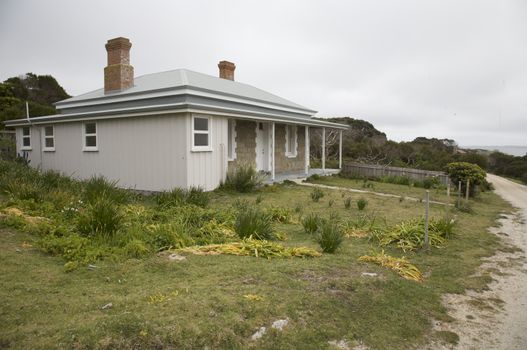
pixel 329 236
pixel 464 172
pixel 173 198
pixel 347 203
pixel 196 196
pixel 316 194
pixel 100 217
pixel 23 189
pixel 254 223
pixel 136 248
pixel 243 179
pixel 279 214
pixel 362 203
pixel 170 236
pixel 310 223
pixel 98 187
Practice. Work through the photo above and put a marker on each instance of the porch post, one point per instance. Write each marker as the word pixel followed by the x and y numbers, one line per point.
pixel 272 152
pixel 323 150
pixel 340 149
pixel 306 146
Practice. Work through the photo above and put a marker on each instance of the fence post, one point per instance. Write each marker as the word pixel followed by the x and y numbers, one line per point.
pixel 427 203
pixel 468 187
pixel 447 205
pixel 459 195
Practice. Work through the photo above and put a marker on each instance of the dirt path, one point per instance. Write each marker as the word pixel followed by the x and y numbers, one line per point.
pixel 497 318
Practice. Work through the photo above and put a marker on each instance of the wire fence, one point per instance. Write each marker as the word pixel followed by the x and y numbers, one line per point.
pixel 378 171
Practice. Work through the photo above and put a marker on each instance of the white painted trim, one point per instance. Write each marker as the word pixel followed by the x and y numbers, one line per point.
pixel 340 149
pixel 26 148
pixel 323 150
pixel 208 132
pixel 44 148
pixel 306 150
pixel 84 135
pixel 288 152
pixel 273 141
pixel 232 130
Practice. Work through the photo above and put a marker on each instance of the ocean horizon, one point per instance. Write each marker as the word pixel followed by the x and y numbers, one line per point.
pixel 518 151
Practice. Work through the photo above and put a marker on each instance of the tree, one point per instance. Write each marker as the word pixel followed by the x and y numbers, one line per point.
pixel 467 173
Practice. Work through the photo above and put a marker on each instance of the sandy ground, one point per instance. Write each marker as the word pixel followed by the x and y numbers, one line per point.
pixel 496 318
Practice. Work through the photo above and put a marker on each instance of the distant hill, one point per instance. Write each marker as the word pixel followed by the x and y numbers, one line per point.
pixel 518 151
pixel 40 91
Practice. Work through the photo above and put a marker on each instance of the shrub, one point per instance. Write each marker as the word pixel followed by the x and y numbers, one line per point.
pixel 316 194
pixel 179 196
pixel 310 223
pixel 462 171
pixel 100 217
pixel 279 214
pixel 347 203
pixel 170 236
pixel 136 249
pixel 243 179
pixel 361 204
pixel 254 223
pixel 329 236
pixel 99 187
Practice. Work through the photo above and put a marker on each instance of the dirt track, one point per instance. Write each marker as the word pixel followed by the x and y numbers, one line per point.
pixel 497 318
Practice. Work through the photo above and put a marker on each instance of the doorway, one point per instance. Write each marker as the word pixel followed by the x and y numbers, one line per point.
pixel 263 147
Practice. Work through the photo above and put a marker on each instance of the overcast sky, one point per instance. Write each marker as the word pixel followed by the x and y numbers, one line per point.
pixel 447 69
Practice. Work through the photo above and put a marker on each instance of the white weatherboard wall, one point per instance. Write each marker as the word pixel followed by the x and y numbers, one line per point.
pixel 208 169
pixel 145 153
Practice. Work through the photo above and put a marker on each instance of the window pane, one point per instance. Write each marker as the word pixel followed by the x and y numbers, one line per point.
pixel 49 142
pixel 201 139
pixel 90 128
pixel 48 131
pixel 91 141
pixel 201 124
pixel 25 131
pixel 26 141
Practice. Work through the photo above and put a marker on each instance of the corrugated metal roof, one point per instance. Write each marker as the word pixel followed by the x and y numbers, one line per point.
pixel 184 78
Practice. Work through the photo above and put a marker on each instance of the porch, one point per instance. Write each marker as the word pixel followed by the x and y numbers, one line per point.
pixel 299 174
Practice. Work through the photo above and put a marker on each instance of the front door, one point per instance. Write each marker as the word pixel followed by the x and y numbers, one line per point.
pixel 262 146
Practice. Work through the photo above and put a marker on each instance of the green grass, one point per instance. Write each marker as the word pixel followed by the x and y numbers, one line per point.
pixel 383 187
pixel 203 304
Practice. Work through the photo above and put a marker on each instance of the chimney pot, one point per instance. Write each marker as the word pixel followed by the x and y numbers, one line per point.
pixel 118 74
pixel 226 70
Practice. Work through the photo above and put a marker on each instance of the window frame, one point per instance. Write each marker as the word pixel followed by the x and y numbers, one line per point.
pixel 231 142
pixel 23 147
pixel 86 148
pixel 288 130
pixel 208 132
pixel 52 137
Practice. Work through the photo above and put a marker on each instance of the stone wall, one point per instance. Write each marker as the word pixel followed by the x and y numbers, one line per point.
pixel 245 144
pixel 283 162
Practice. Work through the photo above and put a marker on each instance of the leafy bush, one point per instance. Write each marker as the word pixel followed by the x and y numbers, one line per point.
pixel 100 217
pixel 310 223
pixel 462 171
pixel 243 179
pixel 254 223
pixel 329 236
pixel 347 203
pixel 361 204
pixel 316 194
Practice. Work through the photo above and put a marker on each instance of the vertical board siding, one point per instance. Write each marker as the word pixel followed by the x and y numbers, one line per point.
pixel 145 153
pixel 207 169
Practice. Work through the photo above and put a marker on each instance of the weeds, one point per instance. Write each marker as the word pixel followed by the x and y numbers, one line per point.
pixel 254 223
pixel 361 204
pixel 329 236
pixel 310 223
pixel 317 194
pixel 244 179
pixel 347 203
pixel 400 265
pixel 101 216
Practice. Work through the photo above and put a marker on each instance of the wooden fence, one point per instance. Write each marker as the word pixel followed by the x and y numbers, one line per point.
pixel 376 171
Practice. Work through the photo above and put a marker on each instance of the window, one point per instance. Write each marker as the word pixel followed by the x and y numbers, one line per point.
pixel 26 138
pixel 201 134
pixel 49 138
pixel 89 131
pixel 290 141
pixel 231 142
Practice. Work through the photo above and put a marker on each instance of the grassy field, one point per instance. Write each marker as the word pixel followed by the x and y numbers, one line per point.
pixel 201 301
pixel 438 194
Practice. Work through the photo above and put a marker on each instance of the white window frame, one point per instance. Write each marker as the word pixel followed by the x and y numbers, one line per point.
pixel 231 124
pixel 52 137
pixel 84 135
pixel 26 148
pixel 208 132
pixel 288 152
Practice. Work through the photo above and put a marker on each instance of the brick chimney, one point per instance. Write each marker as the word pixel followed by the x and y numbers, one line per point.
pixel 118 74
pixel 226 70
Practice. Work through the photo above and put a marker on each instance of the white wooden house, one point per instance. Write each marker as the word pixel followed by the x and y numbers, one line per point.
pixel 171 129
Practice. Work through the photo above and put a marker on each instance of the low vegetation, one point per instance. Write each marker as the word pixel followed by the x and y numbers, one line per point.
pixel 243 179
pixel 56 240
